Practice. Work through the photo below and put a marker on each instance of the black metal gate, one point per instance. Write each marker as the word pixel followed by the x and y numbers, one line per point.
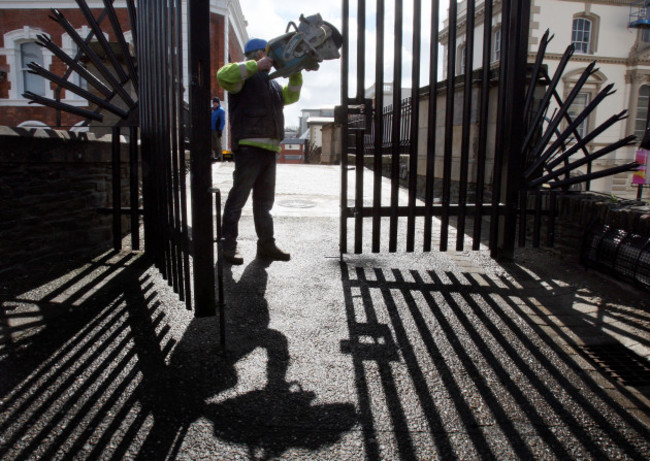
pixel 163 140
pixel 470 147
pixel 171 128
pixel 404 143
pixel 166 138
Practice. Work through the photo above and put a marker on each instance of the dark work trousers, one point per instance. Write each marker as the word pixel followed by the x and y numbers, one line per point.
pixel 216 146
pixel 254 170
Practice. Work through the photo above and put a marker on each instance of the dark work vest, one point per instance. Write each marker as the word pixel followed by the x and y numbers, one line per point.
pixel 256 111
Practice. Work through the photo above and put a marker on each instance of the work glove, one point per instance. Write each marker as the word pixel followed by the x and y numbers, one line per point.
pixel 312 66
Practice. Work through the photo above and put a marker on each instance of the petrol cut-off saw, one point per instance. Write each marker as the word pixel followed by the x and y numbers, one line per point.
pixel 309 44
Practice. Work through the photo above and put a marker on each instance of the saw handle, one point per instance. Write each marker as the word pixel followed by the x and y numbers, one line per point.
pixel 291 23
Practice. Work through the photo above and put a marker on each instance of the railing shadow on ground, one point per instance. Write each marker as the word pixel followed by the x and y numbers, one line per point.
pixel 113 378
pixel 479 362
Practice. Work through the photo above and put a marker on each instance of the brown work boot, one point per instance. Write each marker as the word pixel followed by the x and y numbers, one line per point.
pixel 272 252
pixel 232 256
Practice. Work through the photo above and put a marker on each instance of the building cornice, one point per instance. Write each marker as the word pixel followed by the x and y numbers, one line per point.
pixel 462 20
pixel 48 4
pixel 601 2
pixel 634 61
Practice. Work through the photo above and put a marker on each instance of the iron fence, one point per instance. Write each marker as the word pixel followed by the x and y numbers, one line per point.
pixel 469 157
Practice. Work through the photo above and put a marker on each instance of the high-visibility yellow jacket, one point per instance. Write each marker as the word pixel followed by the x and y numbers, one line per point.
pixel 255 104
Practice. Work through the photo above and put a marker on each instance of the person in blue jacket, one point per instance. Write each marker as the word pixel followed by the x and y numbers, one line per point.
pixel 217 125
pixel 255 111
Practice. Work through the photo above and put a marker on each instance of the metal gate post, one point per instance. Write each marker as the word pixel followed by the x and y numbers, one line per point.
pixel 342 119
pixel 117 188
pixel 200 165
pixel 516 19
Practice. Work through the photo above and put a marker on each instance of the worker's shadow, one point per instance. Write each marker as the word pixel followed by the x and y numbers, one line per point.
pixel 278 414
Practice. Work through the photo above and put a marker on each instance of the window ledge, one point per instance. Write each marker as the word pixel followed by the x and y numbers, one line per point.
pixel 26 102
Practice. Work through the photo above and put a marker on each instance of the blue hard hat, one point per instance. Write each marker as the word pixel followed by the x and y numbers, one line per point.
pixel 254 44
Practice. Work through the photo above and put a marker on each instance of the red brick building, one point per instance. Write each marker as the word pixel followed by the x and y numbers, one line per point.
pixel 22 21
pixel 293 151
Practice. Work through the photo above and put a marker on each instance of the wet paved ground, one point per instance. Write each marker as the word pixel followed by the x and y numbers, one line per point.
pixel 365 357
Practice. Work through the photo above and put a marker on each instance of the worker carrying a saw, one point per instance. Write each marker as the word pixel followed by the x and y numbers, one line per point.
pixel 255 104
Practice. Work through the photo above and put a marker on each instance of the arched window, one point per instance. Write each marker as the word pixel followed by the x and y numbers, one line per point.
pixel 80 127
pixel 577 106
pixel 30 52
pixel 641 111
pixel 71 49
pixel 588 92
pixel 581 35
pixel 20 49
pixel 32 124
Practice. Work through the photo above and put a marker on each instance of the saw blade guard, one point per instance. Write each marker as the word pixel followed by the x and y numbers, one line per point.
pixel 309 44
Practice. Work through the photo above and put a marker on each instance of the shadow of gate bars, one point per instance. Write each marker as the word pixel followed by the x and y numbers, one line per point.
pixel 495 123
pixel 165 123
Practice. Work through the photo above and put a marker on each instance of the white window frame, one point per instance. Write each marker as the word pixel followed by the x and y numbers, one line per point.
pixel 461 57
pixel 128 37
pixel 12 42
pixel 496 45
pixel 592 87
pixel 583 128
pixel 79 127
pixel 641 106
pixel 580 45
pixel 29 82
pixel 70 48
pixel 33 124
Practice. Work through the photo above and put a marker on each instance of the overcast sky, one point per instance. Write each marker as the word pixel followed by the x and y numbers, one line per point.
pixel 268 19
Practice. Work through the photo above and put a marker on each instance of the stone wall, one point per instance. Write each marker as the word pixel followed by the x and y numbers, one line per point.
pixel 53 188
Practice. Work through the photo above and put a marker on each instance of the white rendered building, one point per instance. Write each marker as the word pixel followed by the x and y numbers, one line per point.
pixel 600 31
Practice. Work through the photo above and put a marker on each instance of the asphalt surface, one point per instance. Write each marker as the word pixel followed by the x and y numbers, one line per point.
pixel 389 356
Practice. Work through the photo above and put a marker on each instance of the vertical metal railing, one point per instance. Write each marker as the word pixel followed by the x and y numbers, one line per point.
pixel 379 127
pixel 221 305
pixel 200 166
pixel 431 131
pixel 510 118
pixel 449 124
pixel 342 117
pixel 160 89
pixel 395 128
pixel 465 136
pixel 484 113
pixel 182 249
pixel 159 112
pixel 358 138
pixel 448 172
pixel 413 124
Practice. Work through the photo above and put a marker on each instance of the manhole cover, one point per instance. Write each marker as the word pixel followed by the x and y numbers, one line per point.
pixel 297 203
pixel 621 363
